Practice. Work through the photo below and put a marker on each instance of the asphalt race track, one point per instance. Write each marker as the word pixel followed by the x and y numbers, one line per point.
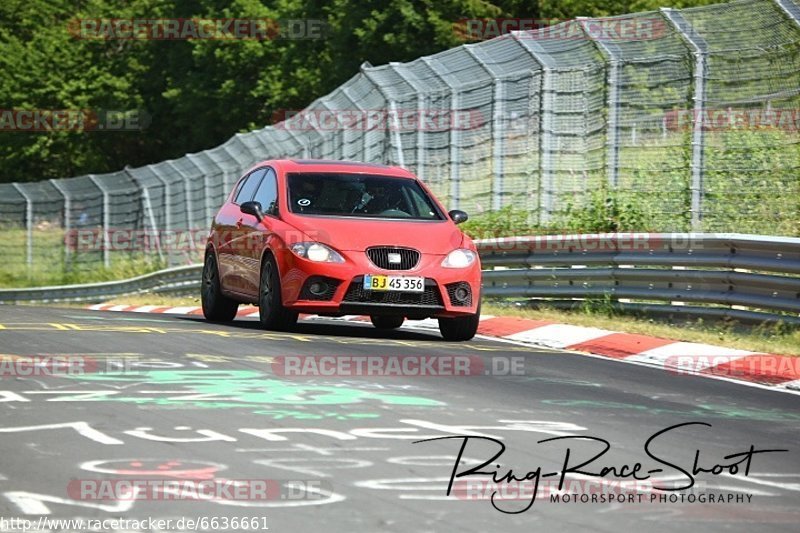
pixel 175 399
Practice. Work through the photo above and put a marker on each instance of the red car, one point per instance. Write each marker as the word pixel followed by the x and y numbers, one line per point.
pixel 335 238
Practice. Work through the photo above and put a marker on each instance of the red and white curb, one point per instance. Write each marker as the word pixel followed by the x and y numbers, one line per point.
pixel 773 371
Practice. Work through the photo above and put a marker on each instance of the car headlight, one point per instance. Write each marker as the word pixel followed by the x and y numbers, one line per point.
pixel 317 252
pixel 460 258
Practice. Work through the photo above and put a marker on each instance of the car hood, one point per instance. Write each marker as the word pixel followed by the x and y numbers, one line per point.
pixel 358 234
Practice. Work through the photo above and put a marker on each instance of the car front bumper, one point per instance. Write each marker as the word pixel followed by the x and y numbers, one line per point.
pixel 339 288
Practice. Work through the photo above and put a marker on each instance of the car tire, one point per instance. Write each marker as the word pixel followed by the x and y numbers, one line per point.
pixel 462 328
pixel 387 322
pixel 216 306
pixel 271 312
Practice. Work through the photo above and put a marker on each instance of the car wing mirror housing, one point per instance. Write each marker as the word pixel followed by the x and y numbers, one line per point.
pixel 458 216
pixel 252 208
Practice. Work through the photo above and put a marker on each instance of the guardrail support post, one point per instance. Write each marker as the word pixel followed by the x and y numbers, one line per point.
pixel 700 47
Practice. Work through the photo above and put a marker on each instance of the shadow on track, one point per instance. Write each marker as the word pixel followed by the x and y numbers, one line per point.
pixel 340 329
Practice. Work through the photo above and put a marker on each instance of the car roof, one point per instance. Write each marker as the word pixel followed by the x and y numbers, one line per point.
pixel 332 165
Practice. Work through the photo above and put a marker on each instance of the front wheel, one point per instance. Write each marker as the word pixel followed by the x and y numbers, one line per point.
pixel 387 322
pixel 271 312
pixel 462 328
pixel 216 306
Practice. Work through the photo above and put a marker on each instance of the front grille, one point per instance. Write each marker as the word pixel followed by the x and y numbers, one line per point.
pixel 429 298
pixel 380 257
pixel 327 295
pixel 451 293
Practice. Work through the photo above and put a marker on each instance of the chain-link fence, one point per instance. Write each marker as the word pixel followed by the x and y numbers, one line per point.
pixel 688 117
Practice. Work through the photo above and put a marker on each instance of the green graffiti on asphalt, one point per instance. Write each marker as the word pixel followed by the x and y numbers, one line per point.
pixel 716 411
pixel 250 389
pixel 279 414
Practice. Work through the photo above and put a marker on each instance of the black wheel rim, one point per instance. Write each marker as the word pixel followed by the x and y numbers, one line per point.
pixel 209 280
pixel 266 286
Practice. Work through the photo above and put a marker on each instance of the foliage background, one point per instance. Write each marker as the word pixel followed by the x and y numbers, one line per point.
pixel 197 93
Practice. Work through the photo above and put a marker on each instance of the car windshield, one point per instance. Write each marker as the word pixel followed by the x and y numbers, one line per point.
pixel 359 195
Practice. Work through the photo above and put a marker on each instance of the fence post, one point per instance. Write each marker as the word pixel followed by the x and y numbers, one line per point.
pixel 612 129
pixel 315 125
pixel 207 209
pixel 546 126
pixel 498 139
pixel 298 141
pixel 167 198
pixel 238 172
pixel 67 221
pixel 345 91
pixel 151 217
pixel 700 47
pixel 394 117
pixel 28 225
pixel 106 219
pixel 147 207
pixel 420 141
pixel 188 201
pixel 455 137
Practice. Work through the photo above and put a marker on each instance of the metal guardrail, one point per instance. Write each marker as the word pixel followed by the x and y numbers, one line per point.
pixel 746 277
pixel 171 280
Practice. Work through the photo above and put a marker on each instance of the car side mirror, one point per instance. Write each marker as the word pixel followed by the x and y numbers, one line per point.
pixel 458 216
pixel 252 208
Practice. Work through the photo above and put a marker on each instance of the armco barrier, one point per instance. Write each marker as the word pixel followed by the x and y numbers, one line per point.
pixel 747 277
pixel 171 280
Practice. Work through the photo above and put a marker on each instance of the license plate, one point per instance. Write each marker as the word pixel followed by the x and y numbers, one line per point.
pixel 394 283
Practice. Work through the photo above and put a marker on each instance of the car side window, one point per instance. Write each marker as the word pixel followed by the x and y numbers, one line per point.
pixel 249 186
pixel 267 193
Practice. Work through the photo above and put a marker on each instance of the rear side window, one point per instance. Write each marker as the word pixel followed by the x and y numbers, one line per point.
pixel 249 186
pixel 267 193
